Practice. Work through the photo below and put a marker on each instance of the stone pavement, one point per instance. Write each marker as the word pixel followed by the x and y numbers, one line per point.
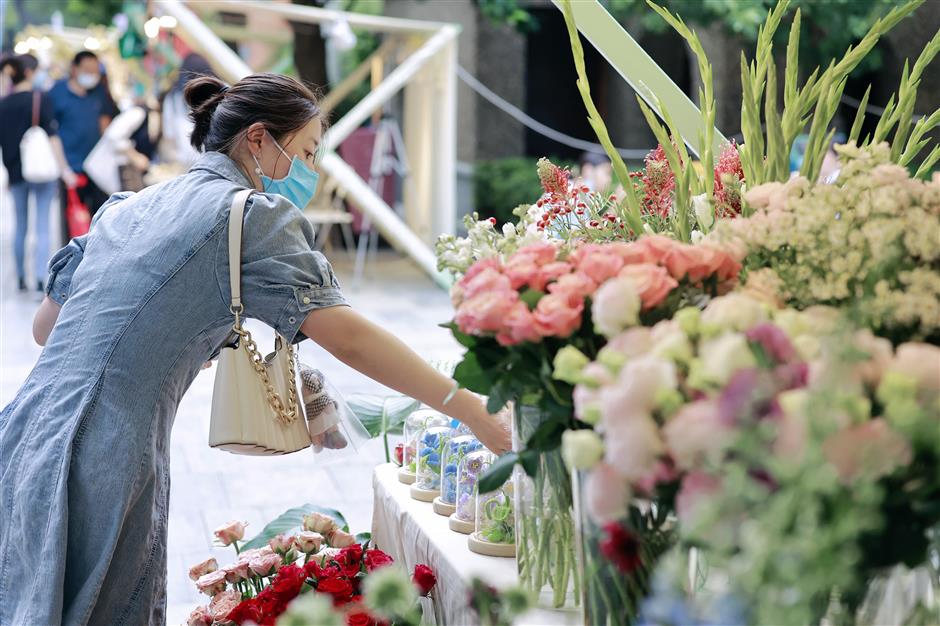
pixel 210 487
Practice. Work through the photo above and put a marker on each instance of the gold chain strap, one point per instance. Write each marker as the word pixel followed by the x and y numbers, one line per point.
pixel 286 414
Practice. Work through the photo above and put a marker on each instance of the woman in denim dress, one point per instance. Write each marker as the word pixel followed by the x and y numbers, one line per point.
pixel 133 311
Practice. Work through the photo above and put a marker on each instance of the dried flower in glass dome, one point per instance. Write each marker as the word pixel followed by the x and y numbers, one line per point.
pixel 495 526
pixel 469 470
pixel 430 452
pixel 456 449
pixel 414 425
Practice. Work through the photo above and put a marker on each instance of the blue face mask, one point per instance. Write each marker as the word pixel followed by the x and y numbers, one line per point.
pixel 300 184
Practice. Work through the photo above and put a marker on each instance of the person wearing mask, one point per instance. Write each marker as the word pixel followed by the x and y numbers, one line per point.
pixel 18 110
pixel 83 108
pixel 134 310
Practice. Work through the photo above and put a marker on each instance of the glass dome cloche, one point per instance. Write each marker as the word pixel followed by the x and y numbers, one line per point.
pixel 430 451
pixel 457 447
pixel 414 424
pixel 495 524
pixel 469 470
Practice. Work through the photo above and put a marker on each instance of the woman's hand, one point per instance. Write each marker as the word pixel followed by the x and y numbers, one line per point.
pixel 493 432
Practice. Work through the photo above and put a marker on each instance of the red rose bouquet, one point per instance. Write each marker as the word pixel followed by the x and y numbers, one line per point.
pixel 319 559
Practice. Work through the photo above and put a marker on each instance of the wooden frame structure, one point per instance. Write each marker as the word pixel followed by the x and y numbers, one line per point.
pixel 427 75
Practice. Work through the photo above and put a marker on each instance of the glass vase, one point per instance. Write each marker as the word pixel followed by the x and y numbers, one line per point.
pixel 617 559
pixel 896 595
pixel 545 533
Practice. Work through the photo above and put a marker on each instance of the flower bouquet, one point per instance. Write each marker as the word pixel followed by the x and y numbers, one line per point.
pixel 318 557
pixel 867 243
pixel 516 318
pixel 755 425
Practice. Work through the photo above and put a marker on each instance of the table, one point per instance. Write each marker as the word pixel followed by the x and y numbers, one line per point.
pixel 411 533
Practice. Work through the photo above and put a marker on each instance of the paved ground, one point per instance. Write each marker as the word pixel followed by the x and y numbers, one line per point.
pixel 212 487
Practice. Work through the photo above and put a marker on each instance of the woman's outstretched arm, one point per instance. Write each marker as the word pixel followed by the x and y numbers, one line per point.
pixel 378 354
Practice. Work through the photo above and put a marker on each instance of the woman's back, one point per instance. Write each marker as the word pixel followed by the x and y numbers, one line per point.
pixel 145 302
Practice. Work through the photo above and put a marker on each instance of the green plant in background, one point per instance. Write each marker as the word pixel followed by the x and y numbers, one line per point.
pixel 834 24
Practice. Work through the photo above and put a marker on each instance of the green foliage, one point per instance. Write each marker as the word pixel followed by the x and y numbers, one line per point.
pixel 503 184
pixel 291 520
pixel 833 24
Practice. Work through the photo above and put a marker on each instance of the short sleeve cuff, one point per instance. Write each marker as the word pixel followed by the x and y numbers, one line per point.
pixel 304 300
pixel 62 267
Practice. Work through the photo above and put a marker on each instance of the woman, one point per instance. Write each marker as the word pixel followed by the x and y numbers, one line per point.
pixel 144 299
pixel 16 111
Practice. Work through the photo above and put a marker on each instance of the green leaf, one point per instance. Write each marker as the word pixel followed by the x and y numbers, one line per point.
pixel 547 436
pixel 529 460
pixel 531 297
pixel 497 473
pixel 380 414
pixel 363 538
pixel 471 375
pixel 500 394
pixel 289 521
pixel 467 341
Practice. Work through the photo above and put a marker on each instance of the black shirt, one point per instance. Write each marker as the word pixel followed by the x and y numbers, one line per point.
pixel 16 116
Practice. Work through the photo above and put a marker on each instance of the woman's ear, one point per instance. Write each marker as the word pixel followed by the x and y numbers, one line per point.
pixel 254 135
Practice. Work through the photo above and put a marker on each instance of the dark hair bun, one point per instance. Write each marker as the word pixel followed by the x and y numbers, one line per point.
pixel 203 95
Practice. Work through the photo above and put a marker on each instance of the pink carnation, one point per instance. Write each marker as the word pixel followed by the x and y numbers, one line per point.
pixel 576 285
pixel 652 248
pixel 201 569
pixel 212 583
pixel 223 603
pixel 265 564
pixel 652 282
pixel 479 266
pixel 236 572
pixel 599 264
pixel 557 316
pixel 518 326
pixel 521 271
pixel 200 617
pixel 485 281
pixel 540 253
pixel 550 272
pixel 486 311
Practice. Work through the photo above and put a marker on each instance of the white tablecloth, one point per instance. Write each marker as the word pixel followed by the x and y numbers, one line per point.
pixel 411 533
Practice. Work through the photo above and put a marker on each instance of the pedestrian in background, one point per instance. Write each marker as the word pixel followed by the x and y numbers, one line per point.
pixel 20 110
pixel 83 108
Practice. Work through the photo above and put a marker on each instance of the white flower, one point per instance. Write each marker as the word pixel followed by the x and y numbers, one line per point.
pixel 616 306
pixel 704 212
pixel 725 355
pixel 734 311
pixel 581 449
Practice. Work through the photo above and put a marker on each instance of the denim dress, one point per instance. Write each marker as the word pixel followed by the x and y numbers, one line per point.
pixel 84 446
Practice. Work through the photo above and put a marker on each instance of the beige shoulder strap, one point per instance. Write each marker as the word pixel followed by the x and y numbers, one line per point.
pixel 235 218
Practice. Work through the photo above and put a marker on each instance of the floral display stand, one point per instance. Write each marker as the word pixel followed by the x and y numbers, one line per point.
pixel 411 532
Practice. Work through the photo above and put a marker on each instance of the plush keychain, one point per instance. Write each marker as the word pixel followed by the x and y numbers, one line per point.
pixel 322 411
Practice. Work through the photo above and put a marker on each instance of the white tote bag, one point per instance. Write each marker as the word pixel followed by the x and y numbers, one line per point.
pixel 37 160
pixel 255 404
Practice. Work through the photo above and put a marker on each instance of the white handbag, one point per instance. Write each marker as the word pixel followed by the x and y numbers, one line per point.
pixel 37 160
pixel 255 405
